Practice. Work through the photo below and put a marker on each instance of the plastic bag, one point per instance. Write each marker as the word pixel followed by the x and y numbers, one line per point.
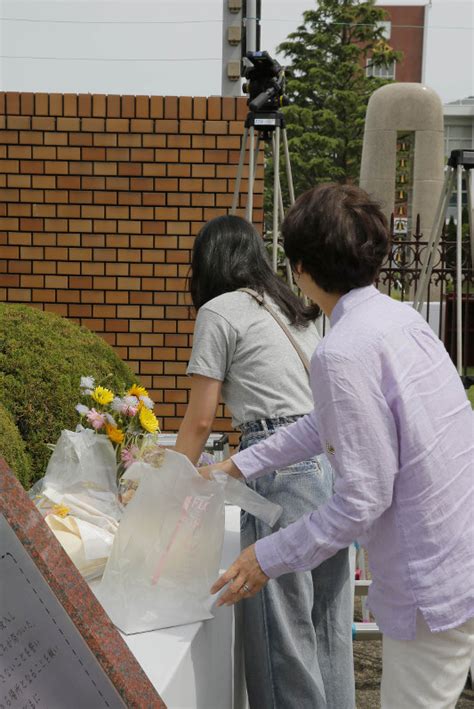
pixel 82 464
pixel 167 550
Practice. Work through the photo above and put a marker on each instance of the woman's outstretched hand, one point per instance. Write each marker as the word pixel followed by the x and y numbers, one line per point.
pixel 227 466
pixel 245 578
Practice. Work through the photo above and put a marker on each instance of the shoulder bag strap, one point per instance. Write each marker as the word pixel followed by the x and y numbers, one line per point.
pixel 260 299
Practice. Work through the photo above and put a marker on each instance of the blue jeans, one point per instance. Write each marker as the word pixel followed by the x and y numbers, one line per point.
pixel 298 629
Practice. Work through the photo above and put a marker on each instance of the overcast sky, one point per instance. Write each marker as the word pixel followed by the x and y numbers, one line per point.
pixel 173 47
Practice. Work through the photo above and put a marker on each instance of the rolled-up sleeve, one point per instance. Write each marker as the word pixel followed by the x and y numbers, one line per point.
pixel 361 437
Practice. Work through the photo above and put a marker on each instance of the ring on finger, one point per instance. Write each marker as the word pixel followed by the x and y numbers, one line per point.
pixel 246 588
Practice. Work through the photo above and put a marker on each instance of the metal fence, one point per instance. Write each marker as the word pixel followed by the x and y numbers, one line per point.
pixel 399 279
pixel 400 275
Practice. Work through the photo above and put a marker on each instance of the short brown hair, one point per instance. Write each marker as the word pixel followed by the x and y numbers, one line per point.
pixel 338 235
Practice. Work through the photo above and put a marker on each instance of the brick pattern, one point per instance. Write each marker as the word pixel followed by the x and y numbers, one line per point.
pixel 100 199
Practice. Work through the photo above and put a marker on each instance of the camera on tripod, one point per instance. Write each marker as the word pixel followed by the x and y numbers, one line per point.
pixel 265 82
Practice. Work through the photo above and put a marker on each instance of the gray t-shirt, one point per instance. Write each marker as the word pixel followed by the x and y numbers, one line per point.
pixel 239 343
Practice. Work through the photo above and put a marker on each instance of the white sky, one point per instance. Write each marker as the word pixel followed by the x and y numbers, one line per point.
pixel 173 47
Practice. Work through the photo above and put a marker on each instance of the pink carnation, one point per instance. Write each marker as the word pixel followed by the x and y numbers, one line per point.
pixel 96 419
pixel 129 455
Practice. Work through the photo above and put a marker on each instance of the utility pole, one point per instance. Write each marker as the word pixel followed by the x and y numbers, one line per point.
pixel 240 34
pixel 232 35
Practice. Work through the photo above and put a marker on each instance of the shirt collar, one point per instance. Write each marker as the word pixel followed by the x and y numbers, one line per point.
pixel 351 300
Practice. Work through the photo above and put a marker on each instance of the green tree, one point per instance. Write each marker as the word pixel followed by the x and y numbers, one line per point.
pixel 328 89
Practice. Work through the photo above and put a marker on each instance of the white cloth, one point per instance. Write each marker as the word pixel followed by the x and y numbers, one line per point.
pixel 195 666
pixel 428 672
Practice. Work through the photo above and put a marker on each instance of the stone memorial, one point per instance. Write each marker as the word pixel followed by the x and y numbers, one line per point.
pixel 403 154
pixel 58 648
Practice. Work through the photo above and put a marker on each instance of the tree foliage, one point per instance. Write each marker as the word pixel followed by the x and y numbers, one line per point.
pixel 328 88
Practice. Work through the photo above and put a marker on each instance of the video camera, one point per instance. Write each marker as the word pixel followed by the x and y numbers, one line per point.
pixel 266 82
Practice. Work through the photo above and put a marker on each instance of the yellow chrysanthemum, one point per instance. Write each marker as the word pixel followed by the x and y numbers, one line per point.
pixel 102 395
pixel 114 433
pixel 148 420
pixel 61 510
pixel 137 390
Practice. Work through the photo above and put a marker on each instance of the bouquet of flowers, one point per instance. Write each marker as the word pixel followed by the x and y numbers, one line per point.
pixel 127 420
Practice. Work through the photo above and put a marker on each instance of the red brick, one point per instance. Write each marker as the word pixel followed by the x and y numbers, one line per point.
pixel 70 105
pixel 105 139
pixel 27 104
pixel 80 138
pixel 199 108
pixel 68 124
pixel 185 107
pixel 55 138
pixel 142 106
pixel 84 105
pixel 194 126
pixel 113 106
pixel 128 106
pixel 141 125
pixel 171 107
pixel 156 107
pixel 228 108
pixel 98 105
pixel 18 122
pixel 154 141
pixel 166 126
pixel 154 169
pixel 214 106
pixel 131 140
pixel 55 105
pixel 93 125
pixel 13 103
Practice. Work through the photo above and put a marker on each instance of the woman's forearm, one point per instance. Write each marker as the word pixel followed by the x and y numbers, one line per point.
pixel 197 424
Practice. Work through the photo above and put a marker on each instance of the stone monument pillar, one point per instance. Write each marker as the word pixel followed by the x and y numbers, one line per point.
pixel 403 154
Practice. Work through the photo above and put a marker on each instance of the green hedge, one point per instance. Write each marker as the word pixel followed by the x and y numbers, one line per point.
pixel 42 358
pixel 13 449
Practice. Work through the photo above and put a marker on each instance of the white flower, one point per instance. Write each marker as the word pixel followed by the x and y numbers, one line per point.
pixel 117 404
pixel 110 419
pixel 87 383
pixel 82 410
pixel 130 401
pixel 146 401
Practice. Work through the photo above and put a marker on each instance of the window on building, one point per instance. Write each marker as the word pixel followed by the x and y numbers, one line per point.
pixel 387 28
pixel 458 137
pixel 381 71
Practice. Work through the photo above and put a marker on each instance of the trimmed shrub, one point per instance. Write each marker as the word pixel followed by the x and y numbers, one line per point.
pixel 42 358
pixel 13 449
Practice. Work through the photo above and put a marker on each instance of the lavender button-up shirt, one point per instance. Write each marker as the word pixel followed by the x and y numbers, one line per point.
pixel 394 420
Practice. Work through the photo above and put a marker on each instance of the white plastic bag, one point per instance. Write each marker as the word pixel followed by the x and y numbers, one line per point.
pixel 82 465
pixel 167 550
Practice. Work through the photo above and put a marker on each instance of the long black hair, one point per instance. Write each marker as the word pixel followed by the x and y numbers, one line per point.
pixel 229 254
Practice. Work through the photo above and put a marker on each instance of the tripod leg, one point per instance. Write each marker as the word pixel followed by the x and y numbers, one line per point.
pixel 470 207
pixel 289 174
pixel 459 271
pixel 433 243
pixel 276 179
pixel 249 210
pixel 235 199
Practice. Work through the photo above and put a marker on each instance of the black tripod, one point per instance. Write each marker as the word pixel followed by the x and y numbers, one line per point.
pixel 270 128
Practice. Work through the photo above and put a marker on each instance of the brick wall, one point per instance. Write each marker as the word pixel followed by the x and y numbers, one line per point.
pixel 101 197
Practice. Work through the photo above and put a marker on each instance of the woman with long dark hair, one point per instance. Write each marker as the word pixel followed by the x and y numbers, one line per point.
pixel 297 632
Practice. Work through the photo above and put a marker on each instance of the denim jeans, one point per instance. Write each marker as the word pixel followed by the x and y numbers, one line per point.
pixel 298 629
